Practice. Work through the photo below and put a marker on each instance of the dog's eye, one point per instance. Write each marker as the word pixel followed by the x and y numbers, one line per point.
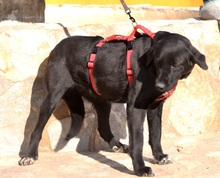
pixel 173 65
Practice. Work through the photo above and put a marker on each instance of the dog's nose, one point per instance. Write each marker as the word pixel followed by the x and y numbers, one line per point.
pixel 160 86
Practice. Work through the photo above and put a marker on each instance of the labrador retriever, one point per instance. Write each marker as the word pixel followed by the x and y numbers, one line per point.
pixel 157 65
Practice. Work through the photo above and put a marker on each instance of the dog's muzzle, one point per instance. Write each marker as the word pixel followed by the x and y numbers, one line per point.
pixel 160 86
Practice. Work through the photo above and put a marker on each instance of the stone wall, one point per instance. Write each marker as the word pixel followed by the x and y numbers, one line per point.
pixel 193 109
pixel 106 14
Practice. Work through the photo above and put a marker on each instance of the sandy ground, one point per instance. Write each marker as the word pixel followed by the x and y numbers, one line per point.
pixel 193 157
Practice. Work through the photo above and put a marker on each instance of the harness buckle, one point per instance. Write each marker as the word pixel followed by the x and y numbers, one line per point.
pixel 90 64
pixel 128 11
pixel 95 50
pixel 129 72
pixel 130 45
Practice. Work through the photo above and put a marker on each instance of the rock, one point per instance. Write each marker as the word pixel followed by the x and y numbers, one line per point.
pixel 194 108
pixel 93 14
pixel 89 137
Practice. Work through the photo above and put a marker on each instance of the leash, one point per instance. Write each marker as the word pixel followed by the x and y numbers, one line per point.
pixel 128 12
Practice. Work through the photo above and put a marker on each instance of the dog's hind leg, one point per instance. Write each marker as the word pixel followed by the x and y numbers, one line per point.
pixel 75 104
pixel 46 110
pixel 58 81
pixel 103 109
pixel 154 125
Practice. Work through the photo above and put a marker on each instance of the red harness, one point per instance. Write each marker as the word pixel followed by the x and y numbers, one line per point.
pixel 129 39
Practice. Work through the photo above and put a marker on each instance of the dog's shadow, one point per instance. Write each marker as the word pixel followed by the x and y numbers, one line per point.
pixel 109 162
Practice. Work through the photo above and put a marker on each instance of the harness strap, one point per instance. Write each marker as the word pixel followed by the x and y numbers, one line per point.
pixel 128 62
pixel 90 65
pixel 145 30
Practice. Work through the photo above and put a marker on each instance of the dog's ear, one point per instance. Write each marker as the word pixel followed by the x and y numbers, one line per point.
pixel 198 58
pixel 150 56
pixel 159 35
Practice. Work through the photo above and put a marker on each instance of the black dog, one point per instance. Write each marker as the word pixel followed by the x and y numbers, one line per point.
pixel 157 66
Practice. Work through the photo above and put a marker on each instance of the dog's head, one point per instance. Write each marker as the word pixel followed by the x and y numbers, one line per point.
pixel 174 58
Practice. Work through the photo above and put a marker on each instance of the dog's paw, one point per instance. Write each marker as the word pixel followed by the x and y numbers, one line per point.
pixel 122 149
pixel 145 172
pixel 165 159
pixel 26 161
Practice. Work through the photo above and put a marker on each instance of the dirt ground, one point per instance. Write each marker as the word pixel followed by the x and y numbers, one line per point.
pixel 196 157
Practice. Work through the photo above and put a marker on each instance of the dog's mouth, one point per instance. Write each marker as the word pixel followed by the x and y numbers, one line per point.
pixel 163 86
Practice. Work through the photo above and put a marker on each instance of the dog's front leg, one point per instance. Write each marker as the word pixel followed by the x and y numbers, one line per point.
pixel 154 126
pixel 135 125
pixel 103 109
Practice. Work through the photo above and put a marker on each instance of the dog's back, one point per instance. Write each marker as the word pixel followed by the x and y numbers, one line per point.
pixel 72 55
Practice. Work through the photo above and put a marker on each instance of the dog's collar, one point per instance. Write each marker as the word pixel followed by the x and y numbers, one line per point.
pixel 165 95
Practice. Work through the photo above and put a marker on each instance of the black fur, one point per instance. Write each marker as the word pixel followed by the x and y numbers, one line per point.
pixel 157 66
